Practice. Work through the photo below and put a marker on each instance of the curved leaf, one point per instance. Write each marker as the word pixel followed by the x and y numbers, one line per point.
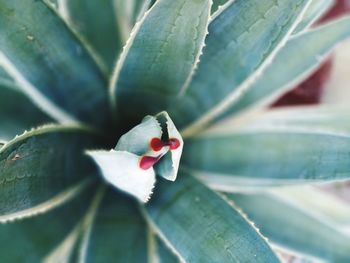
pixel 96 22
pixel 288 226
pixel 316 9
pixel 73 247
pixel 160 55
pixel 268 157
pixel 238 48
pixel 51 157
pixel 50 64
pixel 119 232
pixel 304 53
pixel 202 227
pixel 324 119
pixel 323 204
pixel 30 240
pixel 17 112
pixel 127 14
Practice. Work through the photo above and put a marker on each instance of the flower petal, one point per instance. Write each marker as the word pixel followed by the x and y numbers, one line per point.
pixel 122 170
pixel 168 166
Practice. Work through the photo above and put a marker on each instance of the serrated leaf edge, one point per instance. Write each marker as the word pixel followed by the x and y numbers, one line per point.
pixel 198 124
pixel 35 95
pixel 48 205
pixel 47 128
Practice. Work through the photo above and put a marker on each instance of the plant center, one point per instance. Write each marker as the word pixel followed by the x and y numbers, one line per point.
pixel 156 145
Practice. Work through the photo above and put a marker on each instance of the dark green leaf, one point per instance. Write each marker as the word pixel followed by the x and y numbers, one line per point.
pixel 43 168
pixel 119 232
pixel 32 239
pixel 96 22
pixel 17 112
pixel 217 4
pixel 165 254
pixel 50 64
pixel 202 227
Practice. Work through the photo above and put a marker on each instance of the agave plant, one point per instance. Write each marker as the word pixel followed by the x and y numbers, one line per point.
pixel 166 150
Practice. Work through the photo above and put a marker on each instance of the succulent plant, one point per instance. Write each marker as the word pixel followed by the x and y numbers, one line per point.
pixel 166 150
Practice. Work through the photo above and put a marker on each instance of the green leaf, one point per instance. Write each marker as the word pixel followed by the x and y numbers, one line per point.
pixel 304 53
pixel 17 112
pixel 160 55
pixel 73 247
pixel 217 4
pixel 243 38
pixel 6 80
pixel 324 119
pixel 323 204
pixel 50 64
pixel 30 240
pixel 268 156
pixel 119 232
pixel 51 156
pixel 202 227
pixel 290 227
pixel 127 14
pixel 316 9
pixel 164 253
pixel 96 22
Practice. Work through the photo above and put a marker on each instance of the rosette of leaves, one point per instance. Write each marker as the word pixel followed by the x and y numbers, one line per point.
pixel 105 182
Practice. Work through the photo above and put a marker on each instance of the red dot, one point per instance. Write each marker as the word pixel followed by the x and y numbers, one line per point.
pixel 174 144
pixel 156 144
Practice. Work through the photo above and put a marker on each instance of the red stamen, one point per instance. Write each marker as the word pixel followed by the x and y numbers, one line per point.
pixel 174 144
pixel 157 144
pixel 147 162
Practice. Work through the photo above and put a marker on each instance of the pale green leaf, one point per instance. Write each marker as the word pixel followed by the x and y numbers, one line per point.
pixel 288 226
pixel 324 119
pixel 268 157
pixel 302 54
pixel 202 227
pixel 119 232
pixel 50 156
pixel 17 112
pixel 160 55
pixel 30 240
pixel 316 9
pixel 50 64
pixel 127 13
pixel 243 38
pixel 323 204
